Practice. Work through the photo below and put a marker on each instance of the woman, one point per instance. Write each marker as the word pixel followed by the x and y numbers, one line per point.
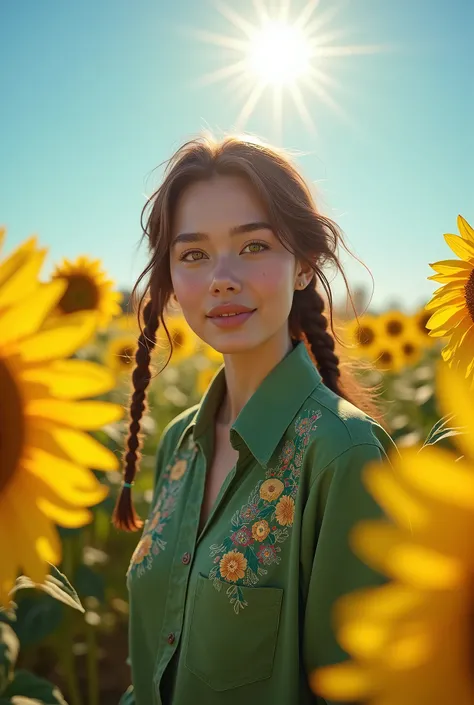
pixel 256 488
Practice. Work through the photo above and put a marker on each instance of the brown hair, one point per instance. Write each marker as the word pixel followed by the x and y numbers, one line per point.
pixel 310 236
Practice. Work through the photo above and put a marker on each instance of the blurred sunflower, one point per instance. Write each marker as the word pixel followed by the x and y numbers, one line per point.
pixel 44 450
pixel 120 353
pixel 412 641
pixel 204 378
pixel 388 357
pixel 212 355
pixel 420 319
pixel 396 326
pixel 362 335
pixel 184 339
pixel 88 289
pixel 453 303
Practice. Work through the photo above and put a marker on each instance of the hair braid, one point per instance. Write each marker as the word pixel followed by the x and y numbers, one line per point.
pixel 308 321
pixel 125 516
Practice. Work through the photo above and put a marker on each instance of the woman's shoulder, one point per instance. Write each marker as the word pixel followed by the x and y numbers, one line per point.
pixel 175 431
pixel 341 427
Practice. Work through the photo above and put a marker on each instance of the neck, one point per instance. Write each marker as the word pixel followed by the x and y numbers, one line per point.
pixel 244 372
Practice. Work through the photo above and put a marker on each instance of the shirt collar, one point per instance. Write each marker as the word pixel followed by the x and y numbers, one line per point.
pixel 268 413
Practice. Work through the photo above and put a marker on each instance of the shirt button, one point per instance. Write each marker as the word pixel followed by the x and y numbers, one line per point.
pixel 186 558
pixel 171 638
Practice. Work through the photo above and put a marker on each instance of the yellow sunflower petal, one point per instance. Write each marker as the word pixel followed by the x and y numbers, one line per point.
pixel 452 266
pixel 345 681
pixel 450 278
pixel 465 229
pixel 458 318
pixel 441 299
pixel 25 318
pixel 397 502
pixel 457 339
pixel 38 537
pixel 71 482
pixel 454 398
pixel 55 508
pixel 72 379
pixel 433 472
pixel 388 550
pixel 78 446
pixel 460 247
pixel 87 415
pixel 19 275
pixel 446 315
pixel 61 340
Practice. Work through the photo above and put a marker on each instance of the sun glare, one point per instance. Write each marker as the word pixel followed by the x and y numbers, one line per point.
pixel 279 54
pixel 288 56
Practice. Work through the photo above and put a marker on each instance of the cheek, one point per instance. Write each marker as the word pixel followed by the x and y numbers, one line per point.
pixel 276 281
pixel 186 285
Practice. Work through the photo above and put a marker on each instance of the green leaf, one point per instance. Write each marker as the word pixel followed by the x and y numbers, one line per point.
pixel 27 685
pixel 56 585
pixel 9 648
pixel 38 616
pixel 441 432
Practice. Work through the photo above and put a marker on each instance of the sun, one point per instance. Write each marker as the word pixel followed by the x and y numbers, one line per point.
pixel 283 55
pixel 280 54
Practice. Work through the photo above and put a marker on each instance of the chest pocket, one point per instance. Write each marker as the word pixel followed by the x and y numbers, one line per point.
pixel 225 649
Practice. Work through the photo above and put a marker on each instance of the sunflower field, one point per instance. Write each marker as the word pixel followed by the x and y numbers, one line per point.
pixel 67 348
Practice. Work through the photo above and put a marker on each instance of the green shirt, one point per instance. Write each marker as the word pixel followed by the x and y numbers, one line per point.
pixel 241 612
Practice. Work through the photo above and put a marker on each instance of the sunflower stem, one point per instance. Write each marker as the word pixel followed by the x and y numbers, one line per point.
pixel 92 671
pixel 67 658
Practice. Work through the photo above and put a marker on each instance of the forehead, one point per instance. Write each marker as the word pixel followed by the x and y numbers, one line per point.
pixel 223 201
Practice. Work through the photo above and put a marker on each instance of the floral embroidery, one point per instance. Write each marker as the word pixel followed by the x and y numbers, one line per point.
pixel 151 542
pixel 264 522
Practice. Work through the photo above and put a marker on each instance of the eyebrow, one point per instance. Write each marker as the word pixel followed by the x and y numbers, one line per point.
pixel 236 230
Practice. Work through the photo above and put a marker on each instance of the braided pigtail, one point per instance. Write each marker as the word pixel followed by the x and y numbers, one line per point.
pixel 124 516
pixel 308 322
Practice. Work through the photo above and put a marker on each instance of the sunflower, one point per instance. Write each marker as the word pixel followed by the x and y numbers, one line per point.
pixel 88 289
pixel 44 450
pixel 362 335
pixel 412 640
pixel 420 319
pixel 388 357
pixel 453 303
pixel 120 352
pixel 204 378
pixel 213 355
pixel 184 339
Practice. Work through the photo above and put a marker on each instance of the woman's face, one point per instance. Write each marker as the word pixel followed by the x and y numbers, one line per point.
pixel 249 268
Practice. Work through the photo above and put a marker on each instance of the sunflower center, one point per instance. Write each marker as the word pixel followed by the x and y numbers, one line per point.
pixel 12 426
pixel 408 349
pixel 394 328
pixel 469 293
pixel 422 321
pixel 127 355
pixel 365 336
pixel 385 358
pixel 80 295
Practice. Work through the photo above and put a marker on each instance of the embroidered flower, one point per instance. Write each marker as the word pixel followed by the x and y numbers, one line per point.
pixel 154 521
pixel 143 549
pixel 152 543
pixel 233 566
pixel 242 536
pixel 249 512
pixel 178 470
pixel 260 530
pixel 266 554
pixel 287 453
pixel 285 511
pixel 270 510
pixel 271 489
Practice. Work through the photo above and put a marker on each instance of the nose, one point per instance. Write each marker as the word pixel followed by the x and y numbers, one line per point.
pixel 224 282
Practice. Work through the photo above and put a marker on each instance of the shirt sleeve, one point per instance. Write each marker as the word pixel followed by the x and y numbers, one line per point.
pixel 338 500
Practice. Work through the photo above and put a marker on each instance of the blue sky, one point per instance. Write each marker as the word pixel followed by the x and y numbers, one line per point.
pixel 96 94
